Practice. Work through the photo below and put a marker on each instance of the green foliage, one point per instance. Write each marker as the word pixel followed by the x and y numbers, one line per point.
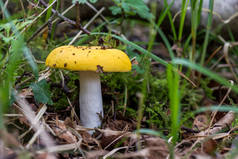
pixel 206 72
pixel 129 7
pixel 151 132
pixel 8 74
pixel 49 11
pixel 208 30
pixel 9 64
pixel 174 101
pixel 41 92
pixel 6 33
pixel 133 55
pixel 160 98
pixel 208 91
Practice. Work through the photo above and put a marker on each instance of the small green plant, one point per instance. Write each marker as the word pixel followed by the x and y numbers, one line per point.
pixel 41 92
pixel 129 7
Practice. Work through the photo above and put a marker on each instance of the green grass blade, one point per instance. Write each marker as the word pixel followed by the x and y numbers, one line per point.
pixel 163 15
pixel 200 10
pixel 174 101
pixel 166 41
pixel 49 11
pixel 171 19
pixel 182 18
pixel 208 30
pixel 137 47
pixel 15 57
pixel 222 108
pixel 206 72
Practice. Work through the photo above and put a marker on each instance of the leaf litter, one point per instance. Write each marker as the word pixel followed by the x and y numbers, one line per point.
pixel 43 134
pixel 117 138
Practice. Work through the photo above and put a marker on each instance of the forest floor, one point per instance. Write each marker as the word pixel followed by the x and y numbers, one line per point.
pixel 178 101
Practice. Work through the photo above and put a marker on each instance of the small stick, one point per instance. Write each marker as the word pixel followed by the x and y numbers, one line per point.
pixel 226 51
pixel 213 54
pixel 85 27
pixel 43 27
pixel 39 30
pixel 38 16
pixel 95 10
pixel 34 122
pixel 65 18
pixel 77 15
pixel 222 101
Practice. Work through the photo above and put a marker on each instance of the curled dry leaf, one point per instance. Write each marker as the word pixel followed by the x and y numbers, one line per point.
pixel 44 156
pixel 110 138
pixel 62 132
pixel 121 125
pixel 95 154
pixel 157 147
pixel 200 122
pixel 87 138
pixel 209 146
pixel 151 153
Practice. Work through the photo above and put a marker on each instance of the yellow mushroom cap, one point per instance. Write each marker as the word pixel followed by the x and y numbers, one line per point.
pixel 89 58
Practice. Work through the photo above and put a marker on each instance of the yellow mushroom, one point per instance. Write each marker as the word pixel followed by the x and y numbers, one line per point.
pixel 89 61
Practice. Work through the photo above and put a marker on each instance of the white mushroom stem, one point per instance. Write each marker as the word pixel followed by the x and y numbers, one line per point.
pixel 91 107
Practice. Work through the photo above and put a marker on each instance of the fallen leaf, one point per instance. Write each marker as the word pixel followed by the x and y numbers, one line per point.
pixel 62 132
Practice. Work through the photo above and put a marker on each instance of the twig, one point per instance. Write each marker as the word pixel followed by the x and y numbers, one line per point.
pixel 13 115
pixel 221 124
pixel 77 15
pixel 210 132
pixel 114 151
pixel 43 27
pixel 61 148
pixel 214 65
pixel 73 110
pixel 65 18
pixel 226 47
pixel 58 14
pixel 35 136
pixel 213 54
pixel 38 16
pixel 85 27
pixel 116 139
pixel 95 10
pixel 30 115
pixel 22 6
pixel 39 30
pixel 222 101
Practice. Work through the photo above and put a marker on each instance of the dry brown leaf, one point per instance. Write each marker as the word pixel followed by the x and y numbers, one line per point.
pixel 200 122
pixel 87 138
pixel 121 125
pixel 44 156
pixel 187 145
pixel 209 146
pixel 110 138
pixel 96 154
pixel 151 153
pixel 62 132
